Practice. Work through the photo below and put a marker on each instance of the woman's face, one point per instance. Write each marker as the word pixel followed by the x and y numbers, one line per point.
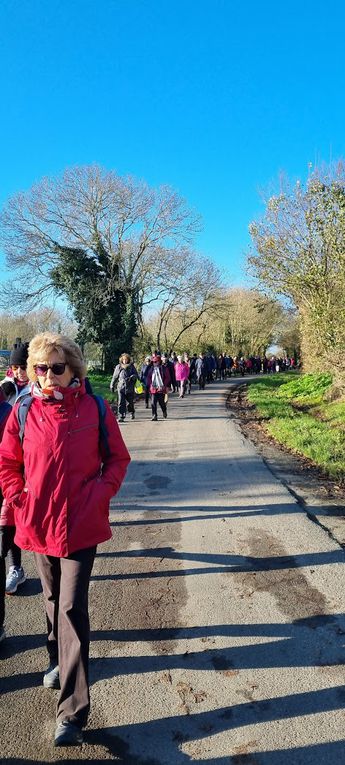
pixel 50 378
pixel 20 373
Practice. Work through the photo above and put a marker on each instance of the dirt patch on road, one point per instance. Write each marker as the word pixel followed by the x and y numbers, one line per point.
pixel 323 498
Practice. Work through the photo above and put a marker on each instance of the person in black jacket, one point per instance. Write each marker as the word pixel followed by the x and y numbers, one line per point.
pixel 145 368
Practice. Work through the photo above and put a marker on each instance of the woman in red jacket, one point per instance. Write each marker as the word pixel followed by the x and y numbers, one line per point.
pixel 59 478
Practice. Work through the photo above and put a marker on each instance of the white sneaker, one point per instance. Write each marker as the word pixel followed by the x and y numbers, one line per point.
pixel 51 677
pixel 15 577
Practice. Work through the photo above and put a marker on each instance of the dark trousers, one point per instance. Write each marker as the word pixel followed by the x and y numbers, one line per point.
pixel 65 584
pixel 158 398
pixel 125 401
pixel 10 549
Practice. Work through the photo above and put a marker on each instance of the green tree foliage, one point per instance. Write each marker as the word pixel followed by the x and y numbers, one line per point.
pixel 300 254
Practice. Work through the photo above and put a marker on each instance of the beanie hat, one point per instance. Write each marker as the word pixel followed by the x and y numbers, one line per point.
pixel 19 354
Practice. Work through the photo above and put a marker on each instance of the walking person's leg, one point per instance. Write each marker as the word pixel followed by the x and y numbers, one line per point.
pixel 2 597
pixel 16 574
pixel 49 571
pixel 162 404
pixel 6 537
pixel 122 405
pixel 130 402
pixel 147 396
pixel 154 405
pixel 74 638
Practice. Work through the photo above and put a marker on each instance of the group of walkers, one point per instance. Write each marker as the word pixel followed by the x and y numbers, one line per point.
pixel 162 373
pixel 62 458
pixel 158 375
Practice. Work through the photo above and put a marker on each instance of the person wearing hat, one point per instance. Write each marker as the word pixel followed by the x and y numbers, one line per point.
pixel 16 383
pixel 159 381
pixel 13 387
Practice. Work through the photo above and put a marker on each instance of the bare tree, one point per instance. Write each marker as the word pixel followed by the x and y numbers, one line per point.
pixel 99 239
pixel 189 289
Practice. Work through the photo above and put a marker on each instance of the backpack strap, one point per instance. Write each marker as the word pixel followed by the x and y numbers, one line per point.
pixel 88 386
pixel 22 413
pixel 103 432
pixel 5 409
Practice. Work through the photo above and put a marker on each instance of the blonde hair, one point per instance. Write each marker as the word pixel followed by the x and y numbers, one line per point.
pixel 125 358
pixel 41 346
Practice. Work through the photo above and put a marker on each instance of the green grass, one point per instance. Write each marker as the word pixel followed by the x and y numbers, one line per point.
pixel 297 414
pixel 100 385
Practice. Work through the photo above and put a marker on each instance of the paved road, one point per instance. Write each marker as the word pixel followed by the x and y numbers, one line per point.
pixel 216 609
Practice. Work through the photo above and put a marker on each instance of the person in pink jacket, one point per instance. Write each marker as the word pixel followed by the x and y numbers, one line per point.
pixel 182 373
pixel 59 478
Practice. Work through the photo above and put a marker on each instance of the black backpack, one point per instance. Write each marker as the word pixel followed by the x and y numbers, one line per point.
pixel 5 409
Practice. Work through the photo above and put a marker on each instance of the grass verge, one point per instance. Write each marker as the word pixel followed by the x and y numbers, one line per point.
pixel 100 385
pixel 294 410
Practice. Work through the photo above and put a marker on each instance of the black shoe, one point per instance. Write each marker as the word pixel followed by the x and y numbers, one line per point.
pixel 165 414
pixel 154 418
pixel 121 418
pixel 132 416
pixel 51 677
pixel 68 734
pixel 146 406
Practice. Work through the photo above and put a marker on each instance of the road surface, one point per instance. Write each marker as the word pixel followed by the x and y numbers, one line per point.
pixel 216 613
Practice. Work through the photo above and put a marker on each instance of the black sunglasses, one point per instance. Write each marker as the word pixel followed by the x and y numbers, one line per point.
pixel 57 369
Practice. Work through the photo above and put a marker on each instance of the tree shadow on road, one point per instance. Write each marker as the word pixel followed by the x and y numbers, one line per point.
pixel 219 563
pixel 317 641
pixel 162 739
pixel 197 512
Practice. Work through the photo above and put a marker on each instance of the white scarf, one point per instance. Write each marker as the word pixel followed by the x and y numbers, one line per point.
pixel 157 381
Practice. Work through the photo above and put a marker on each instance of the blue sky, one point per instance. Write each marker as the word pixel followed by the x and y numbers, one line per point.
pixel 212 97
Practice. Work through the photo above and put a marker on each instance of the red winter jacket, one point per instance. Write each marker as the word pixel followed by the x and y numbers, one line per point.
pixel 62 503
